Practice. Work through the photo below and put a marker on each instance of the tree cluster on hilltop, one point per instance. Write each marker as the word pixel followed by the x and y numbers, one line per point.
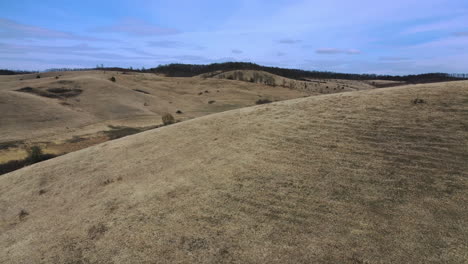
pixel 189 70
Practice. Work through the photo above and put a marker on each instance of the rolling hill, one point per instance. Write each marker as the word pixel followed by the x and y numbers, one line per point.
pixel 310 86
pixel 65 111
pixel 376 176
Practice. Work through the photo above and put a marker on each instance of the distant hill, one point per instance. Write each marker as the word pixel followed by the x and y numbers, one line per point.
pixel 189 70
pixel 310 86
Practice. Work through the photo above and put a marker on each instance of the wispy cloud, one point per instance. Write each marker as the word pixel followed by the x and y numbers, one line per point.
pixel 236 51
pixel 10 29
pixel 171 44
pixel 136 27
pixel 165 44
pixel 440 25
pixel 289 41
pixel 79 48
pixel 391 58
pixel 337 51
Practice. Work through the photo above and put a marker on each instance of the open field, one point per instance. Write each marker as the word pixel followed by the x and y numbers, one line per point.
pixel 375 176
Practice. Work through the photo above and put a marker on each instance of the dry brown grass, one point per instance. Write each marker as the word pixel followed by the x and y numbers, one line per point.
pixel 53 111
pixel 361 177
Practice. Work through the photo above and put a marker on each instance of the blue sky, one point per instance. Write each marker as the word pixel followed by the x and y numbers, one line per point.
pixel 360 36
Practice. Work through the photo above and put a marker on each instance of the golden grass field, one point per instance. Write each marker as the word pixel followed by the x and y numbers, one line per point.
pixel 357 177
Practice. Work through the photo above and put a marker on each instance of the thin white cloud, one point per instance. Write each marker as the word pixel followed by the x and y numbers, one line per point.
pixel 136 27
pixel 391 58
pixel 289 41
pixel 10 29
pixel 337 51
pixel 448 25
pixel 236 51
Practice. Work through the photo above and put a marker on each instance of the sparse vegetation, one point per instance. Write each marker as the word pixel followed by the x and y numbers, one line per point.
pixel 121 131
pixel 168 119
pixel 418 101
pixel 211 102
pixel 112 79
pixel 22 214
pixel 116 132
pixel 35 155
pixel 263 101
pixel 9 144
pixel 179 112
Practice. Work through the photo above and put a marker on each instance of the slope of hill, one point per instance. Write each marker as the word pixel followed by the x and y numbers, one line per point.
pixel 361 177
pixel 63 106
pixel 310 86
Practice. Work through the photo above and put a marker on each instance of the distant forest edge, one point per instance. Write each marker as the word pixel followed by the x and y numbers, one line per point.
pixel 190 70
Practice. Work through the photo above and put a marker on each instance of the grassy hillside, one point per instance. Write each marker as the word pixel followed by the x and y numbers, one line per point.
pixel 361 177
pixel 64 111
pixel 309 86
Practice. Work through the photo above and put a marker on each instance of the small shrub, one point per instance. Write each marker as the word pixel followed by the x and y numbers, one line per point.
pixel 56 77
pixel 34 154
pixel 112 79
pixel 418 101
pixel 22 214
pixel 179 112
pixel 168 119
pixel 212 102
pixel 263 101
pixel 200 93
pixel 38 77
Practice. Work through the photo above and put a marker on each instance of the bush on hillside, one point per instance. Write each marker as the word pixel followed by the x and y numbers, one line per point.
pixel 112 79
pixel 34 154
pixel 263 101
pixel 168 119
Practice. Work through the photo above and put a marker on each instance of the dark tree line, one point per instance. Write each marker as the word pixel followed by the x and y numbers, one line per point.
pixel 10 72
pixel 188 70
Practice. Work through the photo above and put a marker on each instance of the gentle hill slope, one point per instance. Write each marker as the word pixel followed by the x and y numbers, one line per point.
pixel 359 177
pixel 51 111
